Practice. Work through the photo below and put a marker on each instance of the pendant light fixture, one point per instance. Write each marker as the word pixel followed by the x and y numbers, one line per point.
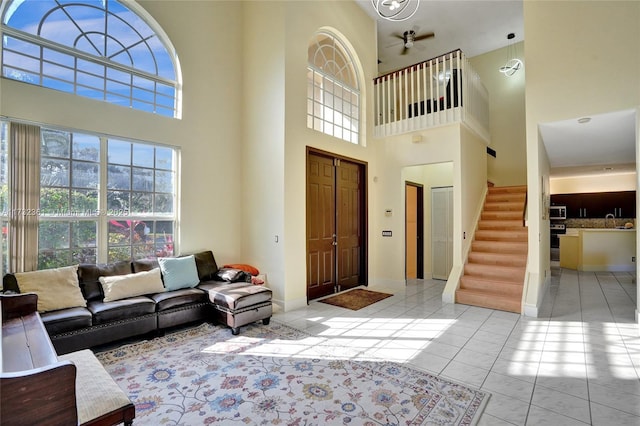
pixel 396 10
pixel 513 64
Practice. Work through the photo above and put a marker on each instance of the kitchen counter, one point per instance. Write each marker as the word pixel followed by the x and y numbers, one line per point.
pixel 598 249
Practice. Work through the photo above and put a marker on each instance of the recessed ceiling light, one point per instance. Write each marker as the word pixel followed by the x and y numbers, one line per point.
pixel 584 120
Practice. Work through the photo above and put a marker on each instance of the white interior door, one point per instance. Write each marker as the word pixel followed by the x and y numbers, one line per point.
pixel 441 232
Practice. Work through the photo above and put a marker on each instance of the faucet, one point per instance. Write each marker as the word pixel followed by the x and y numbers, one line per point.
pixel 612 217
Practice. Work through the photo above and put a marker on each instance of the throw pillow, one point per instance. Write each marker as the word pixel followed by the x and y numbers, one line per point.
pixel 231 275
pixel 56 288
pixel 206 264
pixel 244 267
pixel 179 272
pixel 118 287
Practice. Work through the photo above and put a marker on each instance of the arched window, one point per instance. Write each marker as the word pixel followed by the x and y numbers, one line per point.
pixel 333 94
pixel 101 49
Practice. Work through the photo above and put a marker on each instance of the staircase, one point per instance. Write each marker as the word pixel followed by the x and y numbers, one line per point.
pixel 495 270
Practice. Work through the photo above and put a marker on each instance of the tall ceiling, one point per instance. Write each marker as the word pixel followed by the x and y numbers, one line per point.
pixel 605 144
pixel 474 26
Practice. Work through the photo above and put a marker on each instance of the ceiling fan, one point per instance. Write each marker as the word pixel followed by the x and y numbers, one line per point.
pixel 409 39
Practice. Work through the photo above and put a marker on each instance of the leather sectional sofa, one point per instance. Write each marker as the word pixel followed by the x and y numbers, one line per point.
pixel 102 322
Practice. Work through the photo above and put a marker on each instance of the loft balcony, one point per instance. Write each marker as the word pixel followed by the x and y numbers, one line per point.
pixel 437 92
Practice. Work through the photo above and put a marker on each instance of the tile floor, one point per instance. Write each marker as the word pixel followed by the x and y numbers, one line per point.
pixel 577 363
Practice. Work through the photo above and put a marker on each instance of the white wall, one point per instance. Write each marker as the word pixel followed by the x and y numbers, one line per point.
pixel 430 176
pixel 600 72
pixel 209 133
pixel 594 183
pixel 279 33
pixel 469 190
pixel 439 145
pixel 507 117
pixel 243 134
pixel 261 165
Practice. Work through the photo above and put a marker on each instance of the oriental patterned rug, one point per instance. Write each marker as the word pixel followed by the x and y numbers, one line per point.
pixel 278 375
pixel 355 299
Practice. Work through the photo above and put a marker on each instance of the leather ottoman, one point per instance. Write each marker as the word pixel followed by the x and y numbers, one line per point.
pixel 240 304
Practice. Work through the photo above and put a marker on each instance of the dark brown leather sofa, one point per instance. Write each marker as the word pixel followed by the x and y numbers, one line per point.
pixel 103 322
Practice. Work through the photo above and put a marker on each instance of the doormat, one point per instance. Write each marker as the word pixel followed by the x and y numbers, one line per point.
pixel 355 299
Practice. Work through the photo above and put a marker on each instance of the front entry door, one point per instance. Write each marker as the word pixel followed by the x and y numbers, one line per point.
pixel 335 225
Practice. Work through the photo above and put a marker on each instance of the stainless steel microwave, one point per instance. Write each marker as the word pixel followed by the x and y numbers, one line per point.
pixel 557 212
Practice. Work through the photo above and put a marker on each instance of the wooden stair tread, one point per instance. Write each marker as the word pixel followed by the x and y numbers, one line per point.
pixel 513 247
pixel 489 300
pixel 491 258
pixel 471 281
pixel 501 235
pixel 505 225
pixel 508 189
pixel 495 272
pixel 504 206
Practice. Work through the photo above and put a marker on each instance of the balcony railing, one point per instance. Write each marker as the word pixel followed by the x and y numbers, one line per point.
pixel 432 93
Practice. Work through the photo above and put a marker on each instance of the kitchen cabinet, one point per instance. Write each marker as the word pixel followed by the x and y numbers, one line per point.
pixel 622 204
pixel 569 251
pixel 570 201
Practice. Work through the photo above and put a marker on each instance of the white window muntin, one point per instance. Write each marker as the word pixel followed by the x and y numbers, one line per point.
pixel 104 217
pixel 333 103
pixel 31 48
pixel 332 106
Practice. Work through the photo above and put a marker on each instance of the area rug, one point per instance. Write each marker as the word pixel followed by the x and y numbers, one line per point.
pixel 355 299
pixel 205 375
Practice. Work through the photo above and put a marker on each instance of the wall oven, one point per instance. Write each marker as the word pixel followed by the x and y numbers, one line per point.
pixel 557 229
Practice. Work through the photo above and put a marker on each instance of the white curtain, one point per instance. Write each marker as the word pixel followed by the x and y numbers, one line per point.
pixel 24 151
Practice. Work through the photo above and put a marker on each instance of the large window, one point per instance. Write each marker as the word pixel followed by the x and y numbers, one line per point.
pixel 140 185
pixel 101 199
pixel 101 49
pixel 333 95
pixel 69 185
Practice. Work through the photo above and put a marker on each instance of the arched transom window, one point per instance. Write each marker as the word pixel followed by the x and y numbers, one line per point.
pixel 333 94
pixel 101 49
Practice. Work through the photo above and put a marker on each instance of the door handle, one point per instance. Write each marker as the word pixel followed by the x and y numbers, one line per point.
pixel 335 243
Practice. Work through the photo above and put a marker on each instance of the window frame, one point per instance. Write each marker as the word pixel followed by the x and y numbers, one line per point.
pixel 138 96
pixel 103 216
pixel 321 116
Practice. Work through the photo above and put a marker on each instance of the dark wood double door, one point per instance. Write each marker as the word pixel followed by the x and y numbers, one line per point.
pixel 336 224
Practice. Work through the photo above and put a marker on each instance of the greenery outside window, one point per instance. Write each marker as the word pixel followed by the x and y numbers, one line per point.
pixel 104 200
pixel 69 184
pixel 140 184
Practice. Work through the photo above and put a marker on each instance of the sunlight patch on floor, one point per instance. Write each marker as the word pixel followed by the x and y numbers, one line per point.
pixel 392 339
